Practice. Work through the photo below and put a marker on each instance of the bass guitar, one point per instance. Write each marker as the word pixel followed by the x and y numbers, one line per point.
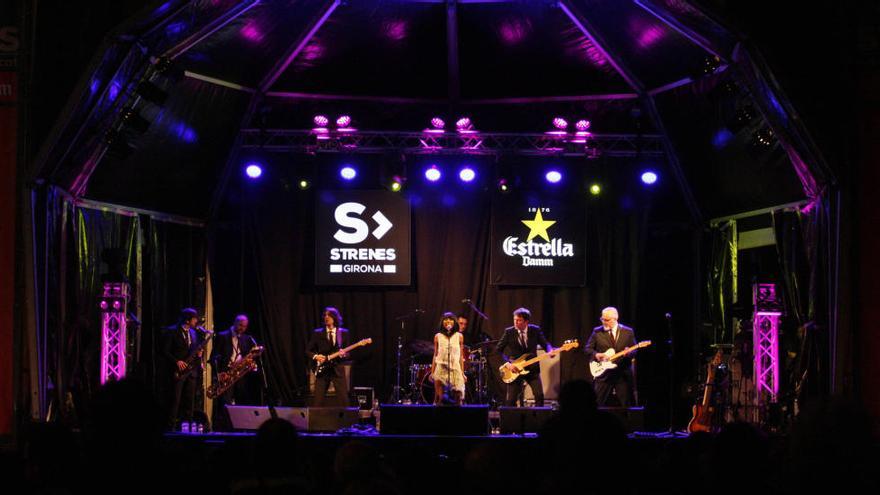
pixel 705 411
pixel 506 369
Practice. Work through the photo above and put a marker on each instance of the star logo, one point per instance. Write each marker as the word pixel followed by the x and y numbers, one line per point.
pixel 538 227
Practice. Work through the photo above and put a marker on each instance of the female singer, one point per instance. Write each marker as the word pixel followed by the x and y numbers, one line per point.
pixel 447 368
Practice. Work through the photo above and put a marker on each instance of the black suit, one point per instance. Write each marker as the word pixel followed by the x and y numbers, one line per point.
pixel 182 392
pixel 620 378
pixel 319 343
pixel 510 349
pixel 221 358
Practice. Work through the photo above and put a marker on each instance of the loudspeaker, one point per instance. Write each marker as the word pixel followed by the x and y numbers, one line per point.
pixel 433 420
pixel 523 419
pixel 633 418
pixel 304 418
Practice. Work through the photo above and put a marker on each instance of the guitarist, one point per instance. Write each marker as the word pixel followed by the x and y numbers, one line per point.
pixel 323 342
pixel 178 343
pixel 612 335
pixel 523 338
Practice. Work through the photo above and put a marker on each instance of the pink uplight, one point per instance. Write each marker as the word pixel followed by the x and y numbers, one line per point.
pixel 395 30
pixel 560 123
pixel 252 32
pixel 513 31
pixel 582 125
pixel 321 120
pixel 343 121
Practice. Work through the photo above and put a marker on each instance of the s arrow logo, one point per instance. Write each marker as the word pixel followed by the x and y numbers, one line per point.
pixel 347 215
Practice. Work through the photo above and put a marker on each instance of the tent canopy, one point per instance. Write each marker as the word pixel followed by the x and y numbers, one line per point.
pixel 180 95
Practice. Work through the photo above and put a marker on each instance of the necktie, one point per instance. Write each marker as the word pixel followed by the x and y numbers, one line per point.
pixel 186 337
pixel 522 338
pixel 235 349
pixel 331 336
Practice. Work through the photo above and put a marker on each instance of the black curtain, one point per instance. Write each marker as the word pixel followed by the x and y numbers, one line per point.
pixel 262 257
pixel 163 262
pixel 800 235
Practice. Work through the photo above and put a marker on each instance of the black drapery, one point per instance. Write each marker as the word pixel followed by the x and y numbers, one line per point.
pixel 262 263
pixel 805 272
pixel 162 261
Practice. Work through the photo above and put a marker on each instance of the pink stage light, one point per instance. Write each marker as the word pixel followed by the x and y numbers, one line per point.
pixel 582 125
pixel 252 32
pixel 560 123
pixel 438 123
pixel 343 121
pixel 321 120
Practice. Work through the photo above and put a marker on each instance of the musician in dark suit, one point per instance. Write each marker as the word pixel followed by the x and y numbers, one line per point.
pixel 179 341
pixel 230 346
pixel 523 338
pixel 612 335
pixel 323 342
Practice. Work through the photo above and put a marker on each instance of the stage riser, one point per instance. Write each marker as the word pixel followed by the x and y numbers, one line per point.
pixel 431 420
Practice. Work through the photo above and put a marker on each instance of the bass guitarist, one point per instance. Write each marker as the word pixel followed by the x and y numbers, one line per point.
pixel 323 342
pixel 612 335
pixel 523 338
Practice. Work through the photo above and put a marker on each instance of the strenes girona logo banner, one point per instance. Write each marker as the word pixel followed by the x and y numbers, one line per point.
pixel 362 238
pixel 538 241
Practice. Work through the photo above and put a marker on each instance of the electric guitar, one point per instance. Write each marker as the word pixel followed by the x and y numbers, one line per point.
pixel 598 368
pixel 705 411
pixel 507 373
pixel 321 367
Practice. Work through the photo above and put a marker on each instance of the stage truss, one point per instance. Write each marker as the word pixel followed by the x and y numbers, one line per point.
pixel 765 335
pixel 453 143
pixel 114 310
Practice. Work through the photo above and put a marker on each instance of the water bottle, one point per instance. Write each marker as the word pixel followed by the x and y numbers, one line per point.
pixel 184 426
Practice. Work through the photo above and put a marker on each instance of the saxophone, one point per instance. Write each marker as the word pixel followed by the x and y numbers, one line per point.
pixel 195 357
pixel 236 372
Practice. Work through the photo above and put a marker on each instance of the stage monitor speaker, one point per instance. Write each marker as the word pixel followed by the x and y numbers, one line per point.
pixel 433 420
pixel 633 418
pixel 523 419
pixel 304 418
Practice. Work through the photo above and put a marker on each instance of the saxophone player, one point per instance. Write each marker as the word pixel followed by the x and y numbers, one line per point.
pixel 231 346
pixel 180 344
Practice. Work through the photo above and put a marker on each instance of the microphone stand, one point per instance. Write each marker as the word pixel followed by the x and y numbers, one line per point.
pixel 482 395
pixel 395 393
pixel 671 360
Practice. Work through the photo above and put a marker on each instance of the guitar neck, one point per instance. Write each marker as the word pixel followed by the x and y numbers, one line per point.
pixel 623 353
pixel 535 359
pixel 343 351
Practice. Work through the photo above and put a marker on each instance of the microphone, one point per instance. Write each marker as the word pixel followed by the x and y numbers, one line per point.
pixel 466 301
pixel 668 316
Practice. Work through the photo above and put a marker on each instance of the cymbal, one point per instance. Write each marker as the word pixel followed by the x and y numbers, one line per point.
pixel 421 347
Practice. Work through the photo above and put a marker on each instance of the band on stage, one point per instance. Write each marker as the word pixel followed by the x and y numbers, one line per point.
pixel 458 372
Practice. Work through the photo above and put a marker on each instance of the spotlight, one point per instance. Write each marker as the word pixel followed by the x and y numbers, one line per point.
pixel 595 189
pixel 553 176
pixel 343 121
pixel 321 120
pixel 464 124
pixel 132 119
pixel 467 174
pixel 433 173
pixel 503 185
pixel 304 184
pixel 649 177
pixel 437 123
pixel 582 125
pixel 763 138
pixel 348 172
pixel 396 184
pixel 253 170
pixel 560 123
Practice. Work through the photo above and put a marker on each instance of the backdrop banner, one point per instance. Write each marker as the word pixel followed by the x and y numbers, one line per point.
pixel 362 238
pixel 538 240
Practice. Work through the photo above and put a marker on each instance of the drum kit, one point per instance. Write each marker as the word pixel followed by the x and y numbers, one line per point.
pixel 421 384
